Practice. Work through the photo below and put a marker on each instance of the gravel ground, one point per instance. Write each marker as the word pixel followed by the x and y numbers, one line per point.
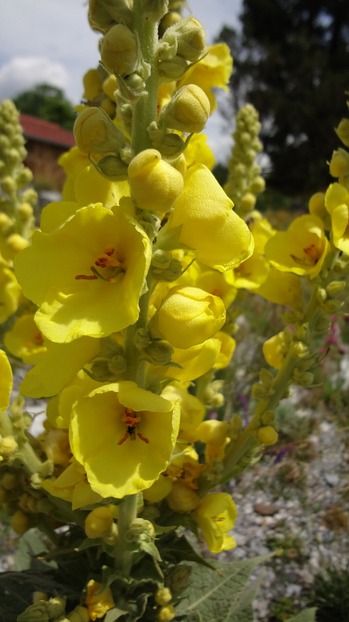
pixel 295 502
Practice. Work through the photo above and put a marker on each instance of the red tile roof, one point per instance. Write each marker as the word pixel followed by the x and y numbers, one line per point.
pixel 45 131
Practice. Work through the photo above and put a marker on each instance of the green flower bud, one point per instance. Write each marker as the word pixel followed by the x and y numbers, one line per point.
pixel 300 349
pixel 103 14
pixel 302 378
pixel 155 9
pixel 35 613
pixel 158 352
pixel 161 260
pixel 24 178
pixel 188 110
pixel 56 607
pixel 332 306
pixel 186 38
pixel 8 185
pixel 172 69
pixel 321 294
pixel 94 132
pixel 170 19
pixel 118 365
pixel 119 50
pixel 112 167
pixel 335 288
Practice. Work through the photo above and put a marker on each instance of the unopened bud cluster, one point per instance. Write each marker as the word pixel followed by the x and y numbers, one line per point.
pixel 244 181
pixel 16 202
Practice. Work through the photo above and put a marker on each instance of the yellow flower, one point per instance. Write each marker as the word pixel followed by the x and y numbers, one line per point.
pixel 189 316
pixel 98 602
pixel 275 350
pixel 219 284
pixel 72 486
pixel 301 249
pixel 24 340
pixel 99 522
pixel 337 204
pixel 6 380
pixel 213 71
pixel 216 515
pixel 282 288
pixel 10 293
pixel 58 366
pixel 154 183
pixel 227 349
pixel 126 447
pixel 97 261
pixel 206 222
pixel 199 152
pixel 84 185
pixel 190 363
pixel 250 274
pixel 192 411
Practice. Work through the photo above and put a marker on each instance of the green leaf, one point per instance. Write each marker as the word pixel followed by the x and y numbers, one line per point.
pixel 308 615
pixel 177 549
pixel 222 594
pixel 30 545
pixel 114 614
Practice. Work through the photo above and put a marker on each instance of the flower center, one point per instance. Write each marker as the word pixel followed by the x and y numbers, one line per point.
pixel 311 256
pixel 106 267
pixel 131 420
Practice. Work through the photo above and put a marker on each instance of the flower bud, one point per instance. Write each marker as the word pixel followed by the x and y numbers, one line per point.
pixel 166 614
pixel 170 19
pixel 112 167
pixel 95 132
pixel 103 14
pixel 248 202
pixel 119 51
pixel 98 523
pixel 172 69
pixel 339 164
pixel 9 481
pixel 267 435
pixel 56 607
pixel 154 9
pixel 342 131
pixel 35 613
pixel 213 431
pixel 158 352
pixel 336 287
pixel 154 183
pixel 182 499
pixel 20 522
pixel 79 614
pixel 188 316
pixel 13 245
pixel 163 596
pixel 8 446
pixel 188 110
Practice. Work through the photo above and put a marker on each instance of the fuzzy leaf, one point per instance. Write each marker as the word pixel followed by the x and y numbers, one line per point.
pixel 30 545
pixel 114 614
pixel 308 615
pixel 221 594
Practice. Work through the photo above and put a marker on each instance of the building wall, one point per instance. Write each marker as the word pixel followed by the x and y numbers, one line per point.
pixel 42 161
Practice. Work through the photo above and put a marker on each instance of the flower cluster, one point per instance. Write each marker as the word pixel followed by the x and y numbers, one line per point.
pixel 130 286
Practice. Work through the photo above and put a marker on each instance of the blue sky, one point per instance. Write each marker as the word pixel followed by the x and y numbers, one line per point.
pixel 51 41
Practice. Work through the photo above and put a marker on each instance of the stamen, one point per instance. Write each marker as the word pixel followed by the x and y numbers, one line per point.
pixel 131 419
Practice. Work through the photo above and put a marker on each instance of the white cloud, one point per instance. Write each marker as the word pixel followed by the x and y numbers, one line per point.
pixel 23 72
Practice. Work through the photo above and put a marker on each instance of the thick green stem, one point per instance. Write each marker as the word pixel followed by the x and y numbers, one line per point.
pixel 127 512
pixel 145 109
